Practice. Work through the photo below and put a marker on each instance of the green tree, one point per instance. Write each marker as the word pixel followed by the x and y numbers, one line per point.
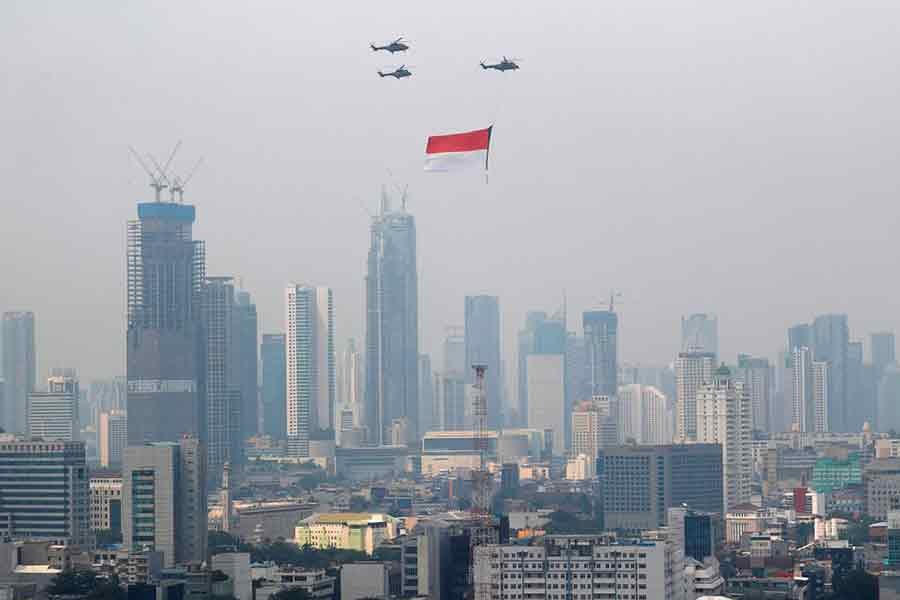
pixel 855 585
pixel 73 581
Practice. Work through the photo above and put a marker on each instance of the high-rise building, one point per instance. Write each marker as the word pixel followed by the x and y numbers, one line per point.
pixel 831 340
pixel 392 325
pixel 580 567
pixel 800 336
pixel 594 426
pixel 223 392
pixel 19 369
pixel 164 500
pixel 692 369
pixel 883 351
pixel 112 437
pixel 525 346
pixel 350 386
pixel 802 388
pixel 639 483
pixel 577 382
pixel 723 417
pixel 53 414
pixel 44 492
pixel 301 371
pixel 482 315
pixel 601 347
pixel 861 410
pixel 889 399
pixel 454 350
pixel 757 376
pixel 700 333
pixel 166 270
pixel 326 372
pixel 820 385
pixel 426 393
pixel 274 388
pixel 246 340
pixel 643 416
pixel 450 402
pixel 547 395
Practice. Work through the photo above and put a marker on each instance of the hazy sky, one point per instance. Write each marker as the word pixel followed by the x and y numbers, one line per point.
pixel 731 157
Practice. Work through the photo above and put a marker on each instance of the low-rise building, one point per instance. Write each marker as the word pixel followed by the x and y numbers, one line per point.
pixel 368 579
pixel 317 584
pixel 348 531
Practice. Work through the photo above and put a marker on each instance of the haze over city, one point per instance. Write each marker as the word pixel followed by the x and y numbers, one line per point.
pixel 699 156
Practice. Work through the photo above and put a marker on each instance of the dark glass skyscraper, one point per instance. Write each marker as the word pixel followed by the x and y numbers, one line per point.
pixel 392 325
pixel 248 362
pixel 164 355
pixel 18 369
pixel 601 342
pixel 883 351
pixel 483 347
pixel 273 385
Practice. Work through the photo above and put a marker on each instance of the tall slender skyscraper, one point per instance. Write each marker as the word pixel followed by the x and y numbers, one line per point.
pixel 273 385
pixel 351 395
pixel 700 333
pixel 426 394
pixel 802 398
pixel 166 269
pixel 692 370
pixel 601 342
pixel 525 346
pixel 223 392
pixel 831 340
pixel 326 374
pixel 392 326
pixel 300 360
pixel 757 377
pixel 19 369
pixel 883 351
pixel 483 347
pixel 246 334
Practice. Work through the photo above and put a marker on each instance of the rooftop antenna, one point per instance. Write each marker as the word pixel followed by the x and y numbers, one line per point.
pixel 156 182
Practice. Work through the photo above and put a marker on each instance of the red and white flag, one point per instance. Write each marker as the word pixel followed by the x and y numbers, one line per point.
pixel 458 151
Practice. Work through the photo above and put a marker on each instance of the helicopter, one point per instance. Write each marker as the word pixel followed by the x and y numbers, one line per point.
pixel 399 73
pixel 398 45
pixel 504 65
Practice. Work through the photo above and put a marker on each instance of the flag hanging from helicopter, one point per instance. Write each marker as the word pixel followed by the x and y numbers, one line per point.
pixel 458 151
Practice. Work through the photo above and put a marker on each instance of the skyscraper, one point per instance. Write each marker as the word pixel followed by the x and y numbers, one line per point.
pixel 426 394
pixel 802 388
pixel 450 401
pixel 594 426
pixel 273 385
pixel 166 270
pixel 643 416
pixel 19 366
pixel 692 369
pixel 883 351
pixel 164 500
pixel 525 346
pixel 483 347
pixel 53 414
pixel 223 393
pixel 546 396
pixel 246 333
pixel 724 418
pixel 821 385
pixel 351 395
pixel 757 376
pixel 301 368
pixel 700 333
pixel 112 438
pixel 326 372
pixel 861 407
pixel 392 325
pixel 601 343
pixel 831 339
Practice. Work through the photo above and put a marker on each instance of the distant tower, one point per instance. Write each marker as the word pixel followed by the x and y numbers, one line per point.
pixel 700 333
pixel 226 497
pixel 392 325
pixel 692 369
pixel 18 369
pixel 273 385
pixel 601 343
pixel 482 333
pixel 166 269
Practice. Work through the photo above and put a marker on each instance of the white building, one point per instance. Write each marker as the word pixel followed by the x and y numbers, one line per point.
pixel 724 418
pixel 546 383
pixel 311 383
pixel 368 579
pixel 105 502
pixel 643 416
pixel 692 369
pixel 53 415
pixel 579 568
pixel 820 395
pixel 113 437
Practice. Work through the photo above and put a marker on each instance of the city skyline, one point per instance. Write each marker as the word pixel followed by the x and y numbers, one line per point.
pixel 697 189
